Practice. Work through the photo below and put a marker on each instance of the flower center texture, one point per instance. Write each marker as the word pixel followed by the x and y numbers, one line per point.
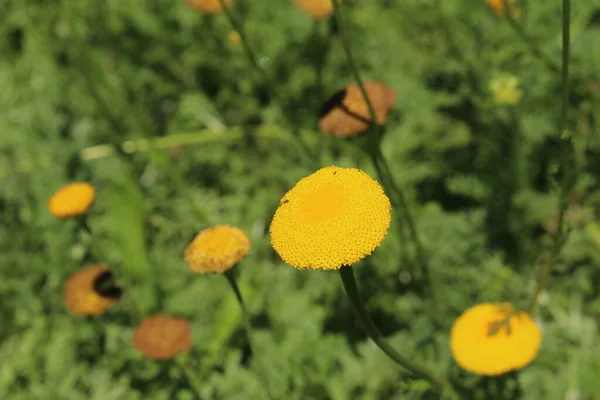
pixel 326 202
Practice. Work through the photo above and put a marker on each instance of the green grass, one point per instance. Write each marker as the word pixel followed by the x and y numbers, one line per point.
pixel 151 103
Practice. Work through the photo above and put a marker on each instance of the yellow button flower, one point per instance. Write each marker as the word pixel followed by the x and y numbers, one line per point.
pixel 209 6
pixel 161 337
pixel 334 217
pixel 497 7
pixel 489 339
pixel 217 249
pixel 506 90
pixel 72 200
pixel 234 38
pixel 86 292
pixel 347 114
pixel 317 8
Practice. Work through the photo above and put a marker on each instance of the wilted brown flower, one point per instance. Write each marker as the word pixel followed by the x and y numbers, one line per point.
pixel 346 113
pixel 161 337
pixel 90 291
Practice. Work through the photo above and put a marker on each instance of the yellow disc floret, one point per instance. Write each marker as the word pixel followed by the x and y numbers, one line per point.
pixel 490 339
pixel 334 217
pixel 72 200
pixel 217 249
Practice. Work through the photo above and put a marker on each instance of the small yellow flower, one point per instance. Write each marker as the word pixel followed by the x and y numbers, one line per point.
pixel 347 114
pixel 209 6
pixel 497 7
pixel 217 249
pixel 72 200
pixel 86 293
pixel 334 217
pixel 489 339
pixel 234 38
pixel 161 337
pixel 506 90
pixel 317 8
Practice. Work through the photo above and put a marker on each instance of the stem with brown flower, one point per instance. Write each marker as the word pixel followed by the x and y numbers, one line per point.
pixel 379 161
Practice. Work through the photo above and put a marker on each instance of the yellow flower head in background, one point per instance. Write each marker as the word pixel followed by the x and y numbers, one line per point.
pixel 317 8
pixel 506 90
pixel 347 114
pixel 217 249
pixel 161 337
pixel 489 339
pixel 90 291
pixel 334 217
pixel 497 7
pixel 72 200
pixel 234 37
pixel 209 6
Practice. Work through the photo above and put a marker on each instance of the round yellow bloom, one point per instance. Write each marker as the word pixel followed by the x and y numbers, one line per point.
pixel 234 38
pixel 317 8
pixel 85 292
pixel 497 7
pixel 506 90
pixel 72 200
pixel 209 6
pixel 489 339
pixel 334 217
pixel 161 337
pixel 217 249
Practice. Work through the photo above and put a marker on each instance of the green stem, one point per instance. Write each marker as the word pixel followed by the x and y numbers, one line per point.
pixel 245 43
pixel 189 375
pixel 412 226
pixel 351 288
pixel 566 181
pixel 346 44
pixel 533 47
pixel 246 321
pixel 271 86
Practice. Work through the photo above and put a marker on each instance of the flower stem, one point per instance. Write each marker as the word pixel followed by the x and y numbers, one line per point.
pixel 308 153
pixel 533 47
pixel 346 44
pixel 566 156
pixel 246 321
pixel 351 288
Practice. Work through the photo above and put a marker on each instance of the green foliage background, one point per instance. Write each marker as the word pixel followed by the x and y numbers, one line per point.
pixel 86 84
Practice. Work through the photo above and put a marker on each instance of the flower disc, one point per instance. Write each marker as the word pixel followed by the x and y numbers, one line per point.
pixel 478 349
pixel 217 249
pixel 334 217
pixel 71 200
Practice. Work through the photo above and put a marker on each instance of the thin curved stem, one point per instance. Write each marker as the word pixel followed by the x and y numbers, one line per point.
pixel 246 321
pixel 566 164
pixel 347 48
pixel 351 288
pixel 254 61
pixel 533 47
